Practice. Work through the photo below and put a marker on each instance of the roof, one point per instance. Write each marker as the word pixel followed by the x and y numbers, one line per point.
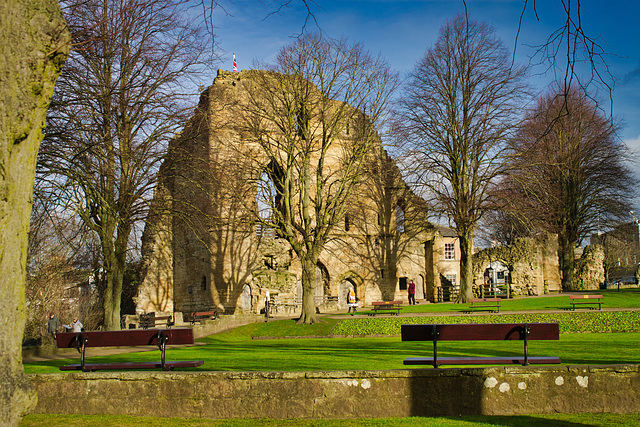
pixel 445 231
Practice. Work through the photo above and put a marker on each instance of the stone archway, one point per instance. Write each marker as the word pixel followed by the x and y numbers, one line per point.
pixel 496 279
pixel 420 288
pixel 245 299
pixel 343 289
pixel 322 283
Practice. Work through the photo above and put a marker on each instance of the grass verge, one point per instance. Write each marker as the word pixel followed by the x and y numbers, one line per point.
pixel 547 420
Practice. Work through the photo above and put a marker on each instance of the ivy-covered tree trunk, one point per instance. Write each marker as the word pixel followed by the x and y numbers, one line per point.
pixel 308 315
pixel 34 45
pixel 466 266
pixel 566 256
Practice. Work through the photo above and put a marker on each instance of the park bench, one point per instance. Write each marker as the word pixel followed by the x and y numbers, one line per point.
pixel 586 300
pixel 483 304
pixel 130 337
pixel 199 316
pixel 386 306
pixel 150 320
pixel 480 332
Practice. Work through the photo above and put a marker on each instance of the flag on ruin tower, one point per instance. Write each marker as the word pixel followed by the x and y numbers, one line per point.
pixel 235 67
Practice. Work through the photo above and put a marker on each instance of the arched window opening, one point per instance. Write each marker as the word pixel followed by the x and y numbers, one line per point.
pixel 399 219
pixel 347 223
pixel 269 199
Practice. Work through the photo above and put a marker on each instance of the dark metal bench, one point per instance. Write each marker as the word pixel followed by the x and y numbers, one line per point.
pixel 199 316
pixel 150 320
pixel 386 306
pixel 131 337
pixel 478 332
pixel 586 300
pixel 483 304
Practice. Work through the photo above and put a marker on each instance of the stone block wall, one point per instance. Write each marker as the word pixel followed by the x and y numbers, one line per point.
pixel 344 394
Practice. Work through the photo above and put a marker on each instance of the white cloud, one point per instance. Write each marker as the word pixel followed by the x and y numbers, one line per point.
pixel 634 145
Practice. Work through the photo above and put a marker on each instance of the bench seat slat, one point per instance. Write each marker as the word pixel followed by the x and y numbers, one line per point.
pixel 133 365
pixel 538 360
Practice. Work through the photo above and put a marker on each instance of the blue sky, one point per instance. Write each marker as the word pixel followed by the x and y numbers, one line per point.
pixel 402 30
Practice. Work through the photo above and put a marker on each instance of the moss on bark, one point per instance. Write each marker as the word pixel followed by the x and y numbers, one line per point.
pixel 34 44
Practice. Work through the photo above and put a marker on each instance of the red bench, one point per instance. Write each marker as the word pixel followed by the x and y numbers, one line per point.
pixel 150 320
pixel 130 337
pixel 586 300
pixel 483 304
pixel 480 332
pixel 199 316
pixel 386 306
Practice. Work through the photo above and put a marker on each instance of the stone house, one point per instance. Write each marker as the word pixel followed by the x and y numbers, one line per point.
pixel 203 249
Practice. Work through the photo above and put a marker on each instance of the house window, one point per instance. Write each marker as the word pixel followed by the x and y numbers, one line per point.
pixel 347 224
pixel 403 283
pixel 449 251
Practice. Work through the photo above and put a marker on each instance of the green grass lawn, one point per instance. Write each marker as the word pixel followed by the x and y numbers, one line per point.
pixel 546 420
pixel 238 350
pixel 625 298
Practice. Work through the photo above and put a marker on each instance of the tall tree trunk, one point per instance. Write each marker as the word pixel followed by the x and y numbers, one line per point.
pixel 466 266
pixel 115 254
pixel 34 45
pixel 567 263
pixel 308 315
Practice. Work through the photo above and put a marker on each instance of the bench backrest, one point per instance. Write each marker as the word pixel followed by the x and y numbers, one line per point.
pixel 480 331
pixel 204 313
pixel 585 296
pixel 386 303
pixel 129 337
pixel 484 300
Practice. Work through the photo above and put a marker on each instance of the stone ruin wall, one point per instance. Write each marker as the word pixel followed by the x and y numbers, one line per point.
pixel 534 267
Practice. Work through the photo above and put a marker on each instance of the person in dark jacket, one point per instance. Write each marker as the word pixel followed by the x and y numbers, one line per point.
pixel 412 293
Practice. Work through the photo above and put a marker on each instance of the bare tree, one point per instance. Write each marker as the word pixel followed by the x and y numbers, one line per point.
pixel 574 53
pixel 60 263
pixel 571 171
pixel 306 118
pixel 118 102
pixel 458 111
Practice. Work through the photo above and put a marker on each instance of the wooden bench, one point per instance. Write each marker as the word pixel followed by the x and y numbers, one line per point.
pixel 199 316
pixel 386 306
pixel 483 304
pixel 478 332
pixel 130 337
pixel 585 299
pixel 150 320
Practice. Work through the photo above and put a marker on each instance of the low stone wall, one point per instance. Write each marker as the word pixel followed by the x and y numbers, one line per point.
pixel 344 394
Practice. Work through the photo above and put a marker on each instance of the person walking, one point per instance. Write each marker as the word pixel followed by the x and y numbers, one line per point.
pixel 351 301
pixel 53 324
pixel 76 325
pixel 412 293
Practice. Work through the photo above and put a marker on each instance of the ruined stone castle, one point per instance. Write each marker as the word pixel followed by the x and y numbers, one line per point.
pixel 203 250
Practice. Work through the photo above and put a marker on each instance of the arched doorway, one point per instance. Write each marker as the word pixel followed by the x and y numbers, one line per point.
pixel 245 299
pixel 322 284
pixel 343 289
pixel 420 291
pixel 496 280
